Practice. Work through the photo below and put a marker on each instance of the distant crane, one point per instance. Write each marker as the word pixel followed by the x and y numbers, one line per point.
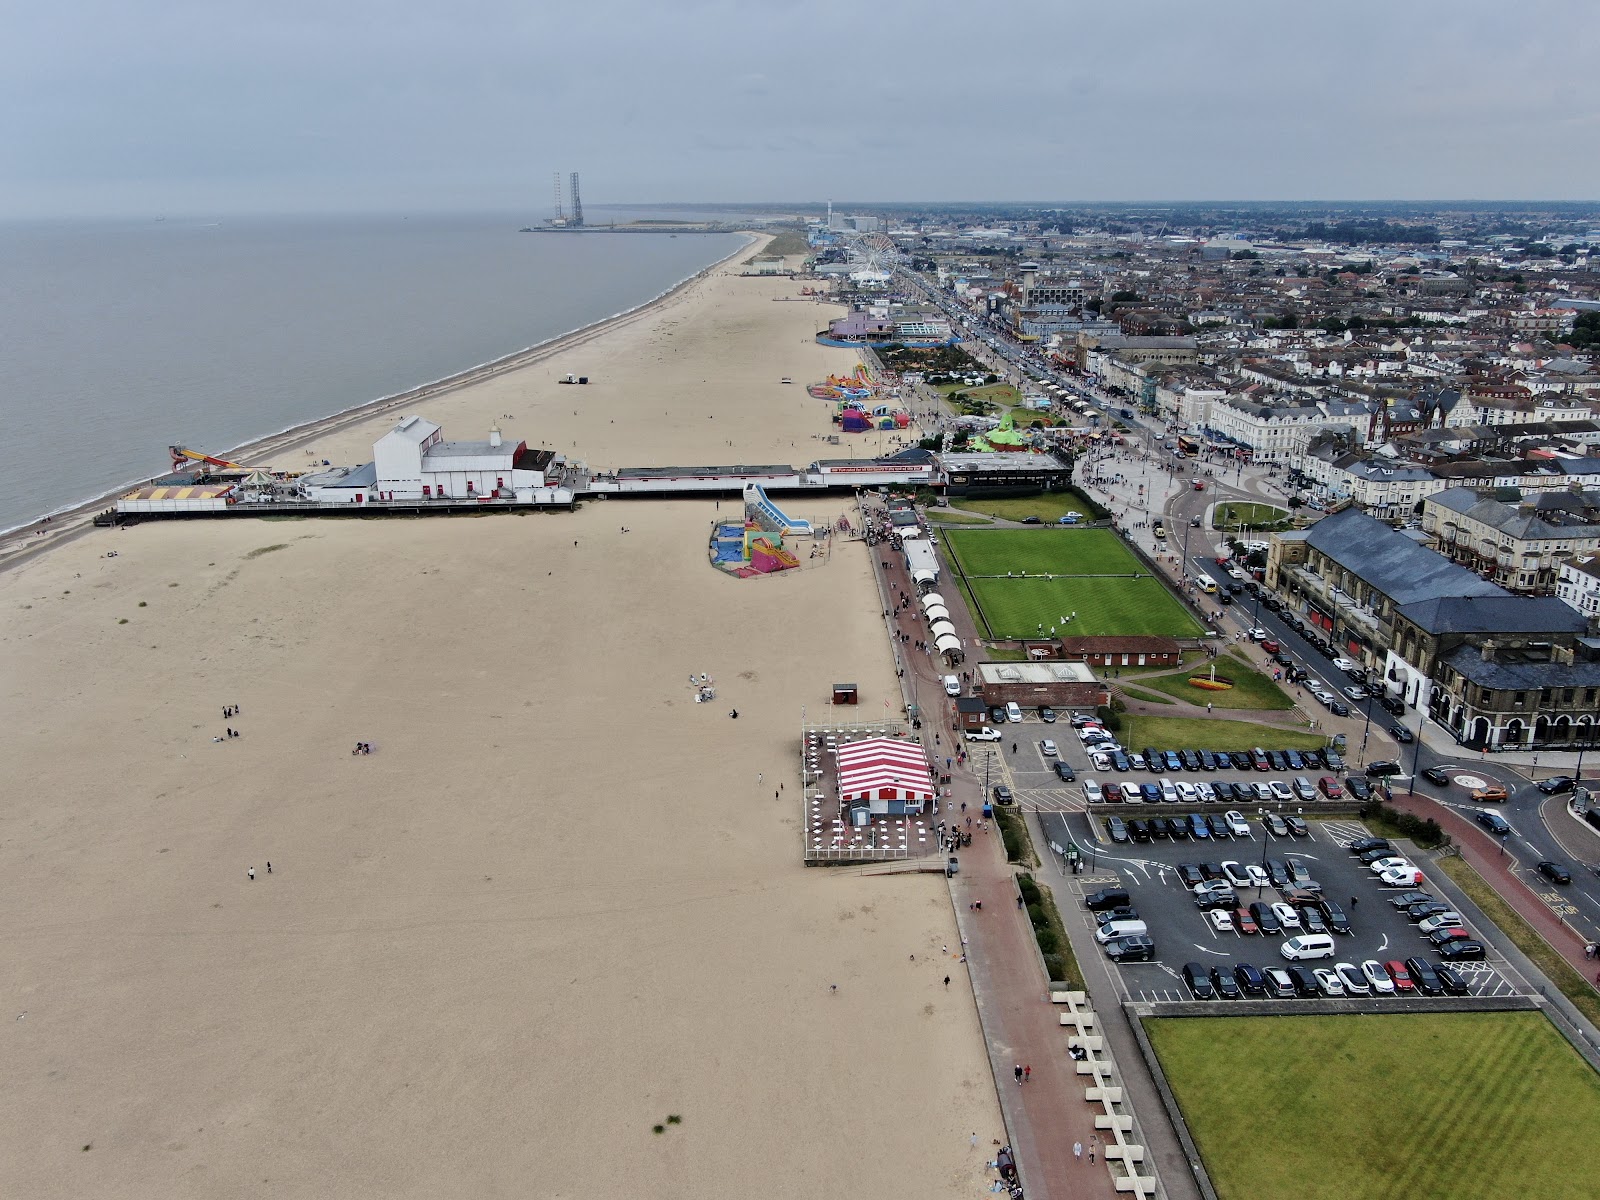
pixel 561 213
pixel 577 205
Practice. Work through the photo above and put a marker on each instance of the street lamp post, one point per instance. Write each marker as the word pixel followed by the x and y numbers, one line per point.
pixel 1261 880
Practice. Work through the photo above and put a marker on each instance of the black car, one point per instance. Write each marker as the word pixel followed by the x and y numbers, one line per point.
pixel 1305 983
pixel 1190 874
pixel 1424 976
pixel 997 716
pixel 1152 759
pixel 1382 768
pixel 1158 828
pixel 1402 734
pixel 1406 899
pixel 1421 911
pixel 1358 788
pixel 1450 979
pixel 1208 761
pixel 1178 830
pixel 1047 714
pixel 1362 845
pixel 1334 916
pixel 1494 823
pixel 1249 980
pixel 1446 934
pixel 1557 784
pixel 1394 704
pixel 1105 898
pixel 1211 870
pixel 1332 760
pixel 1278 872
pixel 1553 871
pixel 1133 948
pixel 1032 520
pixel 1297 826
pixel 1368 857
pixel 1190 760
pixel 1295 760
pixel 1199 980
pixel 1242 760
pixel 1063 771
pixel 1139 831
pixel 1338 708
pixel 1311 759
pixel 1224 598
pixel 1122 912
pixel 1462 951
pixel 1276 760
pixel 1436 775
pixel 1219 827
pixel 1002 794
pixel 1227 987
pixel 1265 919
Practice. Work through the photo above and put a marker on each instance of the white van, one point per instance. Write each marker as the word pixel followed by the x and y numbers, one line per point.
pixel 952 686
pixel 1013 711
pixel 1307 945
pixel 1116 929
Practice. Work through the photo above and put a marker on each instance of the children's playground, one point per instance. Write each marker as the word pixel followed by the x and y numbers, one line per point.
pixel 860 404
pixel 755 545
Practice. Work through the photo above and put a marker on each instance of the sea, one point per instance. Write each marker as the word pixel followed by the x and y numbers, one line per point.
pixel 120 338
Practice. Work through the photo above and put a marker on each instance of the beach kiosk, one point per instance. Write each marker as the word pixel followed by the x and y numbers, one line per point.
pixel 845 693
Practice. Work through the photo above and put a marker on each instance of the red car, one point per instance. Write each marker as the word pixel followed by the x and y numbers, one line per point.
pixel 1270 645
pixel 1330 787
pixel 1245 922
pixel 1402 977
pixel 1223 560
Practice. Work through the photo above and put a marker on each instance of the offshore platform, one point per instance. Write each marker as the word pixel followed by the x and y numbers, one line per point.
pixel 567 218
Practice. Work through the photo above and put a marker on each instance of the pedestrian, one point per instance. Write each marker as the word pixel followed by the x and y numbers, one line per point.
pixel 252 873
pixel 1017 1071
pixel 269 866
pixel 1019 900
pixel 1027 1073
pixel 974 1140
pixel 947 981
pixel 1354 900
pixel 833 988
pixel 1077 1150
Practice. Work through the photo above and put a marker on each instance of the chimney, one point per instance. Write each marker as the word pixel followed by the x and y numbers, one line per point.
pixel 1488 649
pixel 494 438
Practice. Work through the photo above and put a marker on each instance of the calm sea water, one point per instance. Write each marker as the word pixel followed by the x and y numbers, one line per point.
pixel 117 340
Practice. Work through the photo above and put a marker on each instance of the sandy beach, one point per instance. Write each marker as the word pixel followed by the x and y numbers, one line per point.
pixel 557 905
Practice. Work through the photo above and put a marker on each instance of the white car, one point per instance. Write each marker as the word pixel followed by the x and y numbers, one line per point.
pixel 1387 864
pixel 1280 790
pixel 1092 733
pixel 1186 792
pixel 1092 792
pixel 1355 983
pixel 1205 791
pixel 1444 920
pixel 1382 985
pixel 1236 875
pixel 1356 693
pixel 1258 634
pixel 1013 712
pixel 952 686
pixel 1258 876
pixel 1169 792
pixel 1237 825
pixel 986 734
pixel 1286 914
pixel 1328 980
pixel 1221 920
pixel 1101 761
pixel 1131 794
pixel 1047 748
pixel 1407 876
pixel 1136 762
pixel 1344 664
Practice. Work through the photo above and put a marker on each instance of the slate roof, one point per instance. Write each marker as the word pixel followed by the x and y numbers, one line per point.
pixel 1391 562
pixel 1521 676
pixel 1495 614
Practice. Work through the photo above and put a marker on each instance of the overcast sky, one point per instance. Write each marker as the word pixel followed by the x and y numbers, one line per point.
pixel 123 107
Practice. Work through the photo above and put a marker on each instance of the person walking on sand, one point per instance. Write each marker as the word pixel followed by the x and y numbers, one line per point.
pixel 269 866
pixel 252 873
pixel 947 981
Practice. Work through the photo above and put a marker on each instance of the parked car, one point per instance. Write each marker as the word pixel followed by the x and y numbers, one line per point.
pixel 1358 788
pixel 1198 978
pixel 1444 920
pixel 1297 826
pixel 1189 875
pixel 1249 979
pixel 1092 792
pixel 1450 933
pixel 1237 825
pixel 983 734
pixel 1462 951
pixel 1047 714
pixel 1328 981
pixel 1288 918
pixel 1355 982
pixel 1047 747
pixel 1330 787
pixel 1063 771
pixel 1403 983
pixel 1424 977
pixel 1277 826
pixel 1245 922
pixel 1118 829
pixel 1105 899
pixel 1266 920
pixel 1002 794
pixel 1450 979
pixel 1407 899
pixel 1406 876
pixel 1236 875
pixel 1281 790
pixel 1227 986
pixel 1279 983
pixel 1139 830
pixel 1334 916
pixel 1377 977
pixel 1362 845
pixel 1131 948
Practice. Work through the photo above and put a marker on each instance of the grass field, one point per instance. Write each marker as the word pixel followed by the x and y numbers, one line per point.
pixel 1085 572
pixel 1205 733
pixel 1058 572
pixel 1147 697
pixel 1048 507
pixel 1251 689
pixel 1465 1106
pixel 1226 516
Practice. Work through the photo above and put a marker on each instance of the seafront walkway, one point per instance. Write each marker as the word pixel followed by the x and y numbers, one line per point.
pixel 1046 1116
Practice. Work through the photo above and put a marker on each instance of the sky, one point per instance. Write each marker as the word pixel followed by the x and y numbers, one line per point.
pixel 119 108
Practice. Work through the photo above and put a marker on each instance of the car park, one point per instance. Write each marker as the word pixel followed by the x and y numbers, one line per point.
pixel 1355 982
pixel 1424 976
pixel 1198 979
pixel 1328 981
pixel 1494 823
pixel 1462 951
pixel 1377 978
pixel 1227 986
pixel 1047 747
pixel 1553 871
pixel 1063 771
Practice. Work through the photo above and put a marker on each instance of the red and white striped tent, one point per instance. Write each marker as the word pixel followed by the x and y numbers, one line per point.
pixel 891 775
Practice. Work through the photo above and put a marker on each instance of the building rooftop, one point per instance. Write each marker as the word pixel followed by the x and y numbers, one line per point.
pixel 1522 676
pixel 1494 614
pixel 1035 672
pixel 1391 562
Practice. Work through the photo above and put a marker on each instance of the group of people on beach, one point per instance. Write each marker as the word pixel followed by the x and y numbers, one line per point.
pixel 229 711
pixel 362 748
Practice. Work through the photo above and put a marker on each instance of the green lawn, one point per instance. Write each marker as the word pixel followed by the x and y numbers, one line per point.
pixel 1147 697
pixel 1054 551
pixel 1047 506
pixel 1438 1106
pixel 1251 689
pixel 1226 516
pixel 1206 733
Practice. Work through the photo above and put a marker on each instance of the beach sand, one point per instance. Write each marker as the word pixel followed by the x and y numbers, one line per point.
pixel 556 905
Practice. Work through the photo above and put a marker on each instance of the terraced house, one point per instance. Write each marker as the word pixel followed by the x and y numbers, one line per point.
pixel 1518 540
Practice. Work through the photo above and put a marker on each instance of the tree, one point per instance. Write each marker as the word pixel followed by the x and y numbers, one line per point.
pixel 1125 297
